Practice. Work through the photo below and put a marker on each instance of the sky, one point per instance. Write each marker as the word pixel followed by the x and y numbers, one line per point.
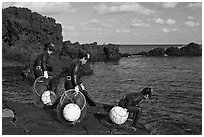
pixel 123 22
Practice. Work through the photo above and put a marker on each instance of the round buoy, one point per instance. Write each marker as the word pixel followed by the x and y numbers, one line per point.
pixel 71 112
pixel 118 115
pixel 48 98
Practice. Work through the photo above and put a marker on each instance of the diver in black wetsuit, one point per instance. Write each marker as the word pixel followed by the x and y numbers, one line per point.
pixel 40 67
pixel 132 101
pixel 73 77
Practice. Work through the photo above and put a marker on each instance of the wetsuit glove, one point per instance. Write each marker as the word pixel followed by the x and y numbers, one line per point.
pixel 45 74
pixel 76 90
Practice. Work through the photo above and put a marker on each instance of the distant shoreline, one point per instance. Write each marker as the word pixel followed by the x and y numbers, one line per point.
pixel 154 44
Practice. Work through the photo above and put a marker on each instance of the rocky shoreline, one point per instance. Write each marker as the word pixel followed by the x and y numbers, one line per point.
pixel 22 117
pixel 190 50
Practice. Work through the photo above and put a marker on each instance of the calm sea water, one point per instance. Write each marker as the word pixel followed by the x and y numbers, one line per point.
pixel 175 108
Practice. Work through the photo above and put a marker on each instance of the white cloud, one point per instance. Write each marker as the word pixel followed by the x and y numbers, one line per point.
pixel 97 23
pixel 191 24
pixel 86 29
pixel 166 30
pixel 123 7
pixel 73 34
pixel 190 17
pixel 91 22
pixel 68 28
pixel 105 25
pixel 94 21
pixel 168 21
pixel 140 24
pixel 159 21
pixel 195 5
pixel 137 20
pixel 122 30
pixel 110 20
pixel 167 4
pixel 44 7
pixel 136 34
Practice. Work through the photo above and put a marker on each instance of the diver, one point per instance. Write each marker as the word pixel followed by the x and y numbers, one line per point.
pixel 132 101
pixel 40 66
pixel 74 74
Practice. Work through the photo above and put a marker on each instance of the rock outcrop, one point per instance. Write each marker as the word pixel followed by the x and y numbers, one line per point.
pixel 173 51
pixel 156 52
pixel 192 49
pixel 98 52
pixel 24 34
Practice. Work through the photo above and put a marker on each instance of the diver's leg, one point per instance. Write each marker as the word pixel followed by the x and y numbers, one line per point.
pixel 88 98
pixel 137 111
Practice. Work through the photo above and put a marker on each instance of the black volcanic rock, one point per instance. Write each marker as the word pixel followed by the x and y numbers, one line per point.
pixel 143 53
pixel 111 51
pixel 156 52
pixel 173 51
pixel 125 55
pixel 97 52
pixel 24 33
pixel 191 49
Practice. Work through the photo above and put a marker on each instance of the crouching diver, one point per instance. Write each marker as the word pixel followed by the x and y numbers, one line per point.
pixel 73 77
pixel 132 101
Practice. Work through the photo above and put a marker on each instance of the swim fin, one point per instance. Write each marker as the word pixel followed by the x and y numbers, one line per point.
pixel 88 98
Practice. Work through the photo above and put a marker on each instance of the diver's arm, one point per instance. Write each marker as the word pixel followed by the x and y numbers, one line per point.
pixel 75 74
pixel 43 62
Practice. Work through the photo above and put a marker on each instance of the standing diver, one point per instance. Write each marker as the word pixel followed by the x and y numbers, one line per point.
pixel 73 77
pixel 132 101
pixel 40 67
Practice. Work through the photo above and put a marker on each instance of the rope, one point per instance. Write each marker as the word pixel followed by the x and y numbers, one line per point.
pixel 34 85
pixel 65 95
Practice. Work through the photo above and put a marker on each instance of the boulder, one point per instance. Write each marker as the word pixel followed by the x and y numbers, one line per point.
pixel 143 53
pixel 97 52
pixel 191 49
pixel 173 51
pixel 156 52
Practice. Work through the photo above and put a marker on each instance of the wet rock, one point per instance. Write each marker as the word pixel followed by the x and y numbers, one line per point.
pixel 191 49
pixel 156 52
pixel 36 121
pixel 126 55
pixel 173 51
pixel 97 52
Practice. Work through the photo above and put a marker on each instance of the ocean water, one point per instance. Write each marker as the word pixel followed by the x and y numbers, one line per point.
pixel 175 108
